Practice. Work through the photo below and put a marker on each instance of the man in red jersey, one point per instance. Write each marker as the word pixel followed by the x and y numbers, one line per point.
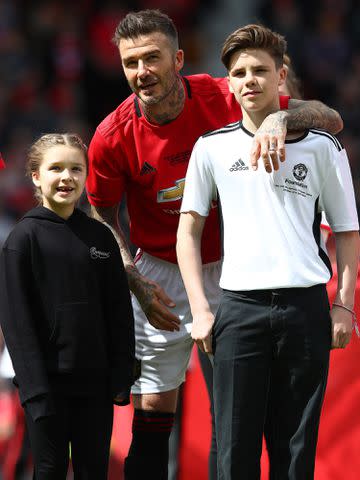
pixel 142 149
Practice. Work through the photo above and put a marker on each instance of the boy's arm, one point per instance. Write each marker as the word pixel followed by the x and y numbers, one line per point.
pixel 269 140
pixel 188 250
pixel 347 258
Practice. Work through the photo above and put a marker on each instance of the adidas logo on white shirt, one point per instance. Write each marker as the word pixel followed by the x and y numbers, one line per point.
pixel 238 165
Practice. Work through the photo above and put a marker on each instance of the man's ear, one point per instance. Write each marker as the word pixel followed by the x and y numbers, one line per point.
pixel 179 60
pixel 35 179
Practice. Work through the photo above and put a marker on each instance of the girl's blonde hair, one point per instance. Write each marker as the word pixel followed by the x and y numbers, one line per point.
pixel 46 141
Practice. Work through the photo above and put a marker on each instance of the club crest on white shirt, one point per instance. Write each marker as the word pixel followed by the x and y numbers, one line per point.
pixel 300 171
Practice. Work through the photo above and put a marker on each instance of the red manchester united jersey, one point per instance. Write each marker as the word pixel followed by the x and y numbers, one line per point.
pixel 148 162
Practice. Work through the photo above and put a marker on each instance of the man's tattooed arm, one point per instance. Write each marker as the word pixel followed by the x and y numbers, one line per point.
pixel 151 297
pixel 269 140
pixel 312 114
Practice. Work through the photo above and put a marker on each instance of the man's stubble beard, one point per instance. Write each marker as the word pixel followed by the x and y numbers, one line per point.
pixel 148 102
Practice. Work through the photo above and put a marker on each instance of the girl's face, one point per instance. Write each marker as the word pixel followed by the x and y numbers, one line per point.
pixel 61 178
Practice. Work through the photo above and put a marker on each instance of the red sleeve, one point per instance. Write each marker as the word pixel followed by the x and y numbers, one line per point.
pixel 284 102
pixel 2 163
pixel 105 181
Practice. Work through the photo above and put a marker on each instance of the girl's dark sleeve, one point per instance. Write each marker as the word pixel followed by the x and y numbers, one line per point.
pixel 17 311
pixel 121 326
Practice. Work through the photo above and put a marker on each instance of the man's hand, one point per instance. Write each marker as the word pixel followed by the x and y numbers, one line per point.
pixel 269 142
pixel 341 327
pixel 153 301
pixel 201 331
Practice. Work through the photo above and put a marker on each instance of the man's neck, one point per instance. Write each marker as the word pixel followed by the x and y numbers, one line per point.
pixel 169 108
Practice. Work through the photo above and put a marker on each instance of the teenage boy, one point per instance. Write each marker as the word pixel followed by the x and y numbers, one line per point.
pixel 273 330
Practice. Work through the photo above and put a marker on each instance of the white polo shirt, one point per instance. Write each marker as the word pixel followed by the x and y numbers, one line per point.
pixel 271 222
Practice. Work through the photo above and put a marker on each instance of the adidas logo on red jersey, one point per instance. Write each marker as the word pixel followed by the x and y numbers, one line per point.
pixel 147 168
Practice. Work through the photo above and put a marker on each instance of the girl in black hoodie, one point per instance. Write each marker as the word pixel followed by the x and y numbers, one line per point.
pixel 67 319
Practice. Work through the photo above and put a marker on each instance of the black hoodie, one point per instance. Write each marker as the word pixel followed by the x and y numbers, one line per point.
pixel 65 307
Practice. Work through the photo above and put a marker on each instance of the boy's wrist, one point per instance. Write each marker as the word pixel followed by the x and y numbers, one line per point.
pixel 349 308
pixel 346 300
pixel 200 310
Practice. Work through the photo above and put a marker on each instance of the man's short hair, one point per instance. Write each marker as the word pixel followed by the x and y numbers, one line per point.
pixel 145 22
pixel 254 37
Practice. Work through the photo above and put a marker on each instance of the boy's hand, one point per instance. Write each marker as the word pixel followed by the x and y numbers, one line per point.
pixel 201 331
pixel 341 327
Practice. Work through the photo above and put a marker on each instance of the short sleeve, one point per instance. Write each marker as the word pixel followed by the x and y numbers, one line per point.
pixel 200 187
pixel 106 179
pixel 337 196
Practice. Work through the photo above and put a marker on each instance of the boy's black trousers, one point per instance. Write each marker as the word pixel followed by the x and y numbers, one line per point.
pixel 270 370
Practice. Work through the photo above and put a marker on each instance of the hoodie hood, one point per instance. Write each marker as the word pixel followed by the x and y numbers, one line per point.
pixel 43 213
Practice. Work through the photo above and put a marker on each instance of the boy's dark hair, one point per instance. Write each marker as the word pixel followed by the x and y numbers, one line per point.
pixel 254 36
pixel 145 22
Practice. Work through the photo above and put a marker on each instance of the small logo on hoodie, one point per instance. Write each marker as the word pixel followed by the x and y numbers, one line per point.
pixel 94 254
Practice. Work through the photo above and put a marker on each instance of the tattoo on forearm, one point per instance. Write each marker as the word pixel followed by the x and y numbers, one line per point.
pixel 142 289
pixel 139 285
pixel 313 114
